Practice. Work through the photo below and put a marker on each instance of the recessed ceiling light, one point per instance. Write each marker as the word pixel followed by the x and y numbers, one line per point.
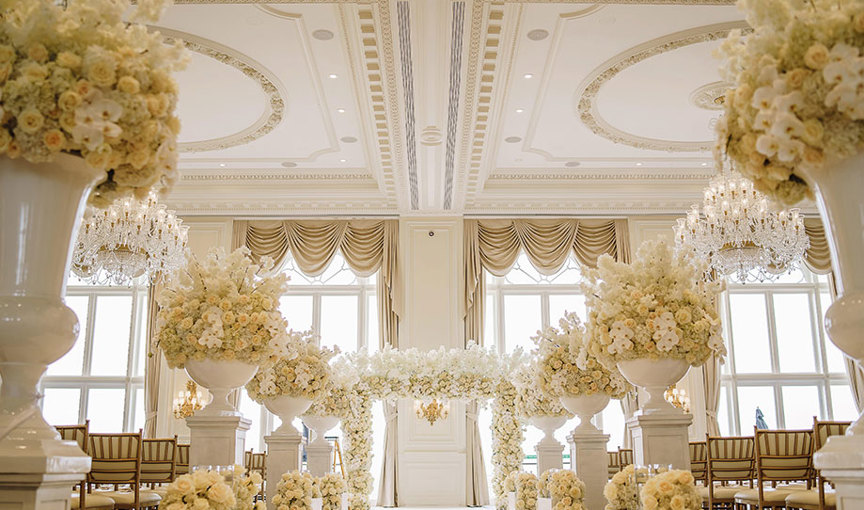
pixel 343 160
pixel 222 165
pixel 348 139
pixel 322 35
pixel 289 164
pixel 571 164
pixel 638 164
pixel 340 110
pixel 704 164
pixel 538 34
pixel 512 139
pixel 332 76
pixel 520 110
pixel 527 76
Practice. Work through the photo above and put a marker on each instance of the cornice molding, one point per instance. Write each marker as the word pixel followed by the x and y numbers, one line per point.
pixel 605 2
pixel 605 174
pixel 252 175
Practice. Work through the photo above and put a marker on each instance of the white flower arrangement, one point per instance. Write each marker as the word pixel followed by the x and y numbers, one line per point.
pixel 527 491
pixel 672 490
pixel 305 374
pixel 622 492
pixel 531 401
pixel 564 487
pixel 657 307
pixel 220 309
pixel 75 77
pixel 331 487
pixel 294 491
pixel 566 367
pixel 208 490
pixel 507 430
pixel 798 96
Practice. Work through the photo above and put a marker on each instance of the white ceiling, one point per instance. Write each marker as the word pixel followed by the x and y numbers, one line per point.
pixel 425 107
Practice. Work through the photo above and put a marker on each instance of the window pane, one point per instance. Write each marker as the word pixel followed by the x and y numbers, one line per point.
pixel 297 311
pixel 843 403
pixel 521 321
pixel 800 405
pixel 251 410
pixel 750 333
pixel 723 413
pixel 559 304
pixel 140 416
pixel 339 322
pixel 751 397
pixel 613 424
pixel 794 333
pixel 73 362
pixel 60 405
pixel 372 340
pixel 111 336
pixel 105 409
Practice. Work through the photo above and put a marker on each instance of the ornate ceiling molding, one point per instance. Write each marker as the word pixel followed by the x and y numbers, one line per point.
pixel 270 85
pixel 269 176
pixel 590 87
pixel 710 96
pixel 605 174
pixel 406 59
pixel 609 2
pixel 456 50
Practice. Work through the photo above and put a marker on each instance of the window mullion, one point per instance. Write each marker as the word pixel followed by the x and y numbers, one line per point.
pixel 772 333
pixel 88 337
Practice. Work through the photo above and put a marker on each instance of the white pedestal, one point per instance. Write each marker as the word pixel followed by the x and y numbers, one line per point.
pixel 217 440
pixel 283 456
pixel 318 457
pixel 589 460
pixel 661 438
pixel 39 491
pixel 549 456
pixel 37 474
pixel 842 461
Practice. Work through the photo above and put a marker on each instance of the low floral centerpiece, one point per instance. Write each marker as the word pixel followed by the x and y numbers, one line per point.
pixel 652 318
pixel 294 491
pixel 332 488
pixel 288 385
pixel 219 319
pixel 527 491
pixel 569 372
pixel 672 490
pixel 564 487
pixel 208 490
pixel 622 492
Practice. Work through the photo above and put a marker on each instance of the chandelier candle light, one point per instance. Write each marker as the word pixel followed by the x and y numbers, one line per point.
pixel 739 234
pixel 127 240
pixel 188 401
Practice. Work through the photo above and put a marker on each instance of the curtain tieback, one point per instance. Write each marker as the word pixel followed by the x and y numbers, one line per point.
pixel 711 414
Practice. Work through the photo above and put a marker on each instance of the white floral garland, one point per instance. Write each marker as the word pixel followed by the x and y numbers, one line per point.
pixel 508 432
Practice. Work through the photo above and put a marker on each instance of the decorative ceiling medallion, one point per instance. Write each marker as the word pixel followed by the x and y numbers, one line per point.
pixel 431 135
pixel 710 96
pixel 270 85
pixel 587 106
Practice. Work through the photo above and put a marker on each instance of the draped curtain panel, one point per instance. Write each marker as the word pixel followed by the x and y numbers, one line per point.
pixel 711 392
pixel 153 368
pixel 387 485
pixel 629 405
pixel 477 488
pixel 494 245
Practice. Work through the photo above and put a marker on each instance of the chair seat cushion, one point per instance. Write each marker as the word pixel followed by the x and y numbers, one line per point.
pixel 810 498
pixel 751 496
pixel 161 491
pixel 127 499
pixel 92 501
pixel 725 493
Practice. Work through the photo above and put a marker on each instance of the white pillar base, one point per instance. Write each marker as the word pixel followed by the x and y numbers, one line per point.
pixel 661 438
pixel 283 456
pixel 550 455
pixel 318 458
pixel 588 458
pixel 40 491
pixel 842 461
pixel 38 474
pixel 217 440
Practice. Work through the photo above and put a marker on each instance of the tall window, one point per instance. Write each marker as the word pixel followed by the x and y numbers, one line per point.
pixel 102 377
pixel 517 306
pixel 781 361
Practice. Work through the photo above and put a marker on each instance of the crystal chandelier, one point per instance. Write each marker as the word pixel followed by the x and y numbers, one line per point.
pixel 187 402
pixel 739 234
pixel 129 239
pixel 433 411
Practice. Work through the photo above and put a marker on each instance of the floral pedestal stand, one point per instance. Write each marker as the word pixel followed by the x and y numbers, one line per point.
pixel 838 189
pixel 588 447
pixel 549 450
pixel 40 206
pixel 283 445
pixel 320 451
pixel 660 431
pixel 218 432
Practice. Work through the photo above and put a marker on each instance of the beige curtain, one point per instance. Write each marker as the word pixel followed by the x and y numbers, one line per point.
pixel 477 488
pixel 495 245
pixel 711 392
pixel 387 495
pixel 629 405
pixel 153 367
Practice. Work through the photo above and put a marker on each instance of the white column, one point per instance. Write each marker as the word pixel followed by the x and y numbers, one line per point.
pixel 283 456
pixel 318 457
pixel 842 461
pixel 217 440
pixel 37 491
pixel 661 438
pixel 588 458
pixel 549 456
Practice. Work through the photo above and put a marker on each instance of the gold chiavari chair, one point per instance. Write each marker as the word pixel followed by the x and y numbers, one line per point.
pixel 117 461
pixel 158 464
pixel 818 499
pixel 781 456
pixel 258 462
pixel 727 460
pixel 625 457
pixel 698 459
pixel 614 463
pixel 247 459
pixel 81 500
pixel 182 459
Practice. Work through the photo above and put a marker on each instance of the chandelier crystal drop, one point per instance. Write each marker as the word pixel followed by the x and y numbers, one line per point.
pixel 740 234
pixel 129 239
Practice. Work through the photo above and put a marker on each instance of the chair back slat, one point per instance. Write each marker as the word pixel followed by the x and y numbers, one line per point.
pixel 784 455
pixel 258 461
pixel 182 459
pixel 116 458
pixel 159 460
pixel 729 459
pixel 698 460
pixel 625 456
pixel 77 433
